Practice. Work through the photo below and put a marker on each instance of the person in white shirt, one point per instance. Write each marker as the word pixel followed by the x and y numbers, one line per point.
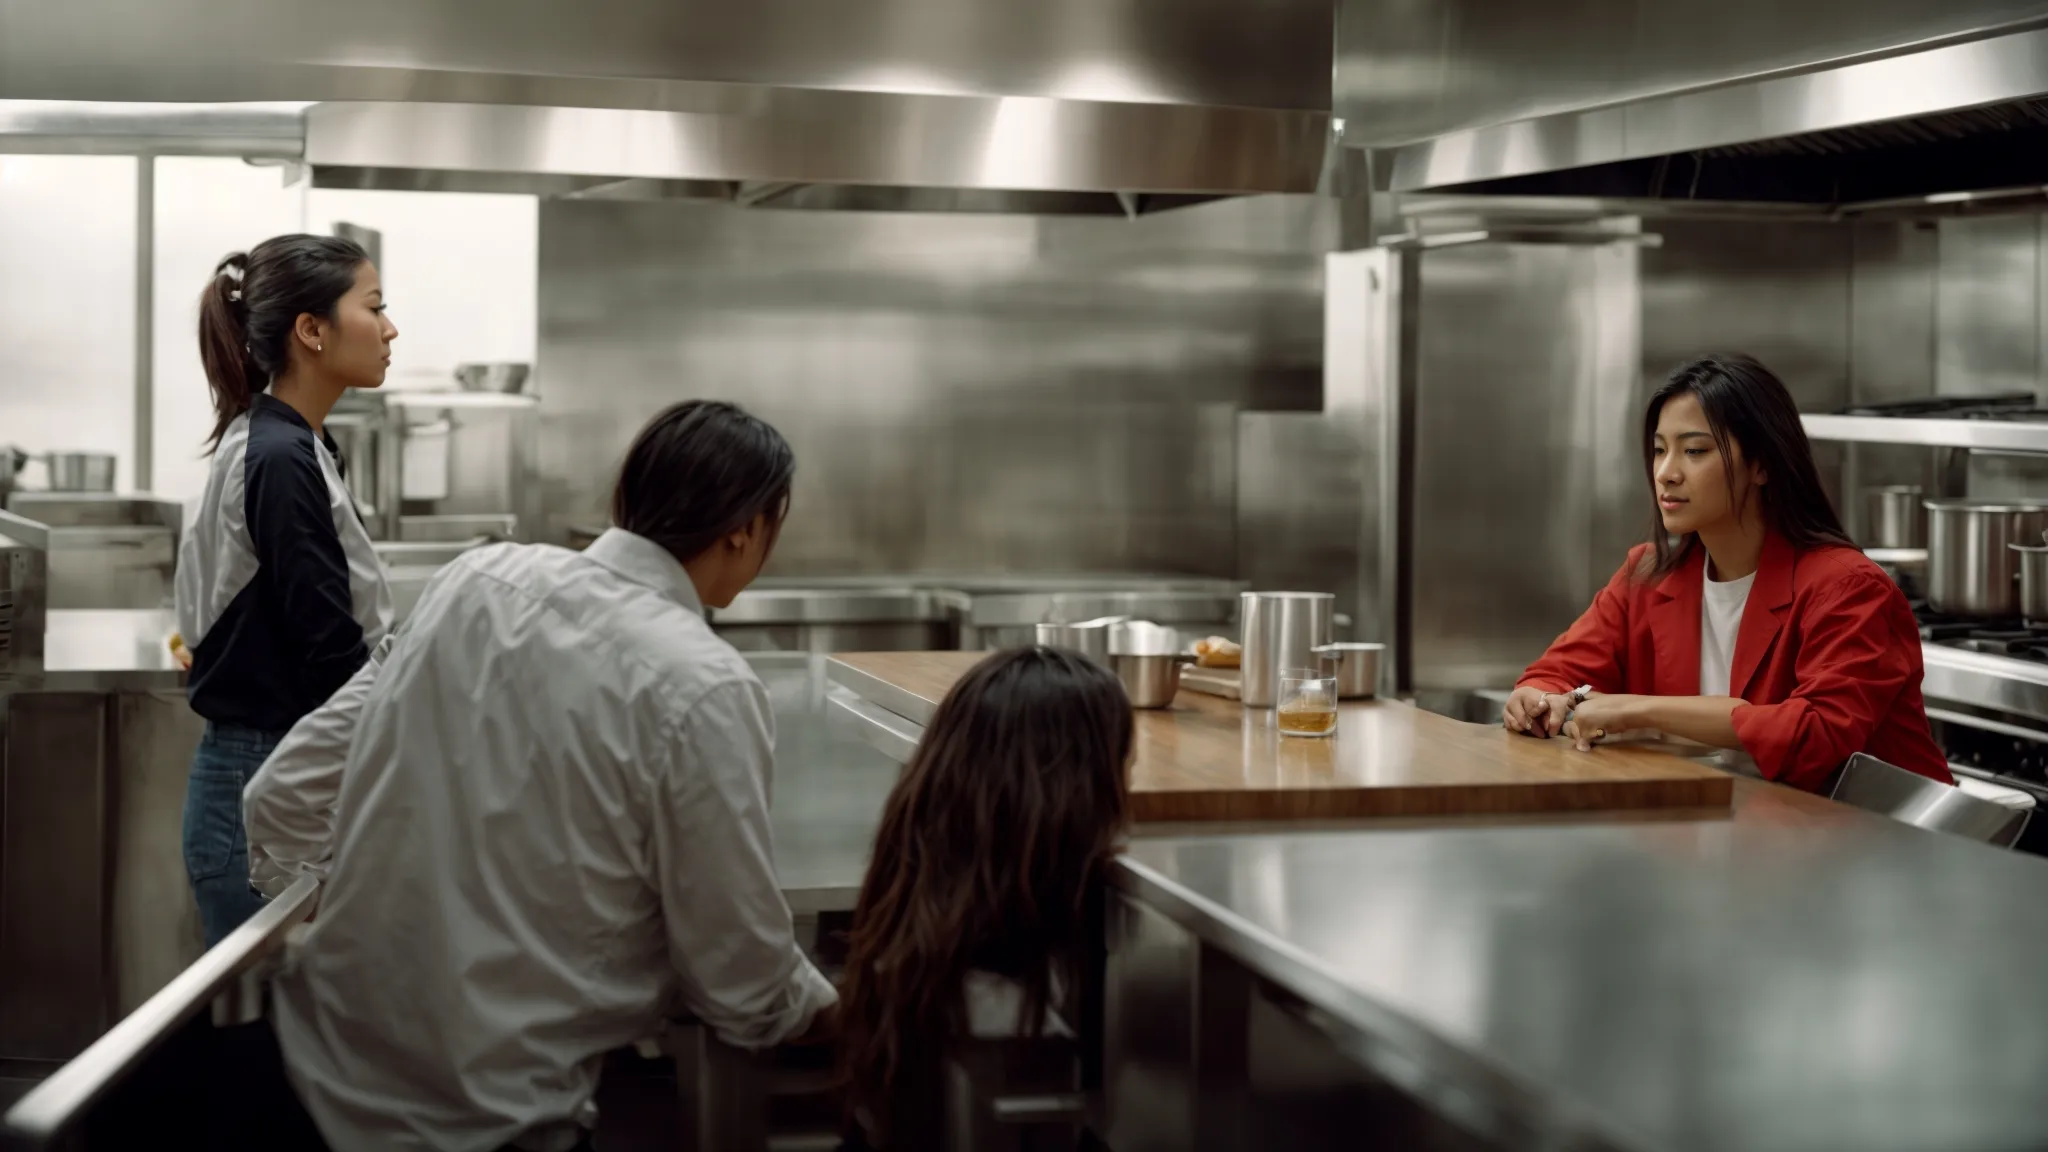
pixel 541 812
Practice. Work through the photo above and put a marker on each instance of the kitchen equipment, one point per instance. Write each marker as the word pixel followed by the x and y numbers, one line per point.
pixel 1356 668
pixel 1281 631
pixel 2033 562
pixel 1150 680
pixel 508 378
pixel 1090 637
pixel 1308 705
pixel 423 460
pixel 356 435
pixel 80 471
pixel 1147 658
pixel 1970 569
pixel 1894 517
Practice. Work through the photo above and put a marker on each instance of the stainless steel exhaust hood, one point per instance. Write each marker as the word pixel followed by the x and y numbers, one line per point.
pixel 958 104
pixel 1827 100
pixel 785 138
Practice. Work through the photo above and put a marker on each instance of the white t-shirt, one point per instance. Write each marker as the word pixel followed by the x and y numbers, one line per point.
pixel 1721 604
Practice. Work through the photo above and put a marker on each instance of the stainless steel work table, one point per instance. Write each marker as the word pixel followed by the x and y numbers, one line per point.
pixel 106 650
pixel 1800 976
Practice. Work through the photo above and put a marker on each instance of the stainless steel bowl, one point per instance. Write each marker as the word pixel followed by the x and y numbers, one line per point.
pixel 508 378
pixel 1090 638
pixel 1151 681
pixel 81 471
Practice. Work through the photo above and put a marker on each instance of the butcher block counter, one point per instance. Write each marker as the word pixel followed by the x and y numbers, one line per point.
pixel 1210 759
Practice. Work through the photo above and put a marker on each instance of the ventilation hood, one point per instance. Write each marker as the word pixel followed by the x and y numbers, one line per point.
pixel 1063 105
pixel 1822 102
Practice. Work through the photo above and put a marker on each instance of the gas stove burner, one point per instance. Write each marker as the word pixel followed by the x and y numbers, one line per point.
pixel 2026 648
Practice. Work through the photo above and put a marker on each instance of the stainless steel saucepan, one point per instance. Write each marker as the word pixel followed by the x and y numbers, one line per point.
pixel 2033 561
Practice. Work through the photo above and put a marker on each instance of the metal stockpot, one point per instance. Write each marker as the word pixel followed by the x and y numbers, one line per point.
pixel 1282 631
pixel 1894 517
pixel 1971 570
pixel 2033 561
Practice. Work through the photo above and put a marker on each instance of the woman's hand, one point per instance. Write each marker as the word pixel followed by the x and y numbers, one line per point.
pixel 1534 712
pixel 1598 717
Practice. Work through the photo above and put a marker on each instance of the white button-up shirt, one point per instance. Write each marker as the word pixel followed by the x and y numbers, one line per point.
pixel 542 814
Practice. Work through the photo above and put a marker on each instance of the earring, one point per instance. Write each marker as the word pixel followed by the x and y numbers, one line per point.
pixel 319 347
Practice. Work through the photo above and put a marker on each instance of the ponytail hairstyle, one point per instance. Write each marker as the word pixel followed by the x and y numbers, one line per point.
pixel 249 308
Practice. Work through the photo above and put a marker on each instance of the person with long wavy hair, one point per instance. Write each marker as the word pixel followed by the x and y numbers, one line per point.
pixel 975 913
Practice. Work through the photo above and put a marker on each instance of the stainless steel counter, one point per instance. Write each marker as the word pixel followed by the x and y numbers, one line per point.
pixel 107 650
pixel 1759 983
pixel 828 791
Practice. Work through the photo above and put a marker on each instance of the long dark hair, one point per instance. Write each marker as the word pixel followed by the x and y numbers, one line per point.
pixel 248 310
pixel 1745 403
pixel 702 470
pixel 990 846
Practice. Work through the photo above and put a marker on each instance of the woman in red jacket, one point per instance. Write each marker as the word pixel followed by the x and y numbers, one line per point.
pixel 1750 621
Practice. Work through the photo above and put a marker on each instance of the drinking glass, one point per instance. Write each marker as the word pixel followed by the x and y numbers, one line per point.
pixel 1308 704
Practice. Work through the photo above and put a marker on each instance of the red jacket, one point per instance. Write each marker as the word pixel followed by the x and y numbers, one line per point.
pixel 1827 656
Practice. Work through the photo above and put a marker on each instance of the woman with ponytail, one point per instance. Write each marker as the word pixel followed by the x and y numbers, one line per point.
pixel 279 594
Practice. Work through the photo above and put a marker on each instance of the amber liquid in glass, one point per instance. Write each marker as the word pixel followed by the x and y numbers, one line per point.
pixel 1307 721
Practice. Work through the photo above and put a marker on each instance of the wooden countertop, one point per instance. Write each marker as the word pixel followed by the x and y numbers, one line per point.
pixel 1208 759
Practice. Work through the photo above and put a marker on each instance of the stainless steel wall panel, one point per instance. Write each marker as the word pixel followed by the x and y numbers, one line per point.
pixel 1502 514
pixel 1986 313
pixel 964 393
pixel 1370 313
pixel 1891 349
pixel 1779 291
pixel 55 875
pixel 153 921
pixel 1301 480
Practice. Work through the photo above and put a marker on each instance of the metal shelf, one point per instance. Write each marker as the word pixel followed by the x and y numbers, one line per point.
pixel 1988 435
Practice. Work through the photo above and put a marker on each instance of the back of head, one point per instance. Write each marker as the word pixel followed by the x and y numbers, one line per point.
pixel 699 471
pixel 988 852
pixel 1747 405
pixel 249 308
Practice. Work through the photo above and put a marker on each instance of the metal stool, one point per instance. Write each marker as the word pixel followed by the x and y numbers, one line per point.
pixel 1868 783
pixel 1011 1095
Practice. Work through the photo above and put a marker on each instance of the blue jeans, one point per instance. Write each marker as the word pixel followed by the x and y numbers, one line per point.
pixel 216 845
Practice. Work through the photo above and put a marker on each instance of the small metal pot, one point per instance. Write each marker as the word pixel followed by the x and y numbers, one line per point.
pixel 1356 667
pixel 1970 569
pixel 1151 680
pixel 2033 561
pixel 81 471
pixel 1894 517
